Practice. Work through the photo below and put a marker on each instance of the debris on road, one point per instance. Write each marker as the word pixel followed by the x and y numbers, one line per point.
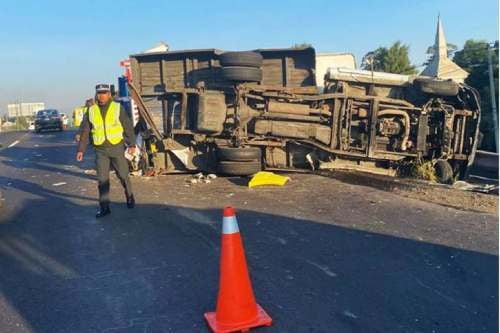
pixel 137 173
pixel 267 178
pixel 59 184
pixel 200 178
pixel 483 188
pixel 445 195
pixel 150 173
pixel 89 172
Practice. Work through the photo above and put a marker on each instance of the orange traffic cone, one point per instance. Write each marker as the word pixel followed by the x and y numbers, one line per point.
pixel 236 306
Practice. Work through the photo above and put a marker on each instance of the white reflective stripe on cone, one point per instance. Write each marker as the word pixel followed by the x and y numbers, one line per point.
pixel 230 225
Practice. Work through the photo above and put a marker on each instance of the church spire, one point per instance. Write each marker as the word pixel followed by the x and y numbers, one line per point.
pixel 440 45
pixel 440 66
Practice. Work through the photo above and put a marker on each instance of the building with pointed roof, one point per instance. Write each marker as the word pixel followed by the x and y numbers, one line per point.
pixel 440 65
pixel 160 47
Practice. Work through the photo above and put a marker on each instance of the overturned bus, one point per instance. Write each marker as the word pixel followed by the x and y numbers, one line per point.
pixel 236 113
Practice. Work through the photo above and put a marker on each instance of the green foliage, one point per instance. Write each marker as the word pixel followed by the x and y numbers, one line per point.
pixel 425 170
pixel 391 60
pixel 474 59
pixel 301 46
pixel 418 169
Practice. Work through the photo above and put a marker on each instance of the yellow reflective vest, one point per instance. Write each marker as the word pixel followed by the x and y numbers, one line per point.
pixel 108 129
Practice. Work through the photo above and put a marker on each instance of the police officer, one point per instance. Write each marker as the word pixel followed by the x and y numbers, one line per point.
pixel 109 128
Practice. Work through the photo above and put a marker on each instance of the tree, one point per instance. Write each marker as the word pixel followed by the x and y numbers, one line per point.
pixel 301 46
pixel 391 60
pixel 474 59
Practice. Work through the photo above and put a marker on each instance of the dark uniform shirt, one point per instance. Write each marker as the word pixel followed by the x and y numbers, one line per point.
pixel 86 125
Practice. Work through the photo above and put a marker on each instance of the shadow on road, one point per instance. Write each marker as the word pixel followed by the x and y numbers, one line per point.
pixel 39 190
pixel 48 159
pixel 154 269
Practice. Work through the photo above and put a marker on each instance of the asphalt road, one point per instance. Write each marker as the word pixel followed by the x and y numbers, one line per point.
pixel 325 255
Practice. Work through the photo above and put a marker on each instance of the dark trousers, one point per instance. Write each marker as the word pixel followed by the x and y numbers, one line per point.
pixel 114 156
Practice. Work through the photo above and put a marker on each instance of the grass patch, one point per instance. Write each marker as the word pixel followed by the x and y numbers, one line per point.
pixel 419 170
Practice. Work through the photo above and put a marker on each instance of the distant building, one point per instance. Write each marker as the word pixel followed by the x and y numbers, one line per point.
pixel 24 109
pixel 440 65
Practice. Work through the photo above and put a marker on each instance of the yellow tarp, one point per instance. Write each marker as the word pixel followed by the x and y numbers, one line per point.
pixel 267 178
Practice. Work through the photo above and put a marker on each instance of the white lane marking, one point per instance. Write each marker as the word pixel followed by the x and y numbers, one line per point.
pixel 13 144
pixel 59 184
pixel 349 314
pixel 44 261
pixel 282 241
pixel 325 269
pixel 437 292
pixel 196 217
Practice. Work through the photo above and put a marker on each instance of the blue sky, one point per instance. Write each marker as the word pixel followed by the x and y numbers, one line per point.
pixel 56 51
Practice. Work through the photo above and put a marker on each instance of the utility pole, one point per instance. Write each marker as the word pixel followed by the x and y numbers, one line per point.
pixel 492 94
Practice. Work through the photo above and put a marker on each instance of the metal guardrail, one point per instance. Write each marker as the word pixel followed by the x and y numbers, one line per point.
pixel 485 164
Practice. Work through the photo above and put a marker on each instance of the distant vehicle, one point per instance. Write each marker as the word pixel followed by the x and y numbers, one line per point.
pixel 48 119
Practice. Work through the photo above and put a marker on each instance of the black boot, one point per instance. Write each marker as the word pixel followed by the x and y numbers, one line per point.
pixel 103 211
pixel 130 201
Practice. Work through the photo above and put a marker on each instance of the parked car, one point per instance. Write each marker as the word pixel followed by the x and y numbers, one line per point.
pixel 48 119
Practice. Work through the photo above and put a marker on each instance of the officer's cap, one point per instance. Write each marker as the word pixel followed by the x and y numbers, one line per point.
pixel 103 87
